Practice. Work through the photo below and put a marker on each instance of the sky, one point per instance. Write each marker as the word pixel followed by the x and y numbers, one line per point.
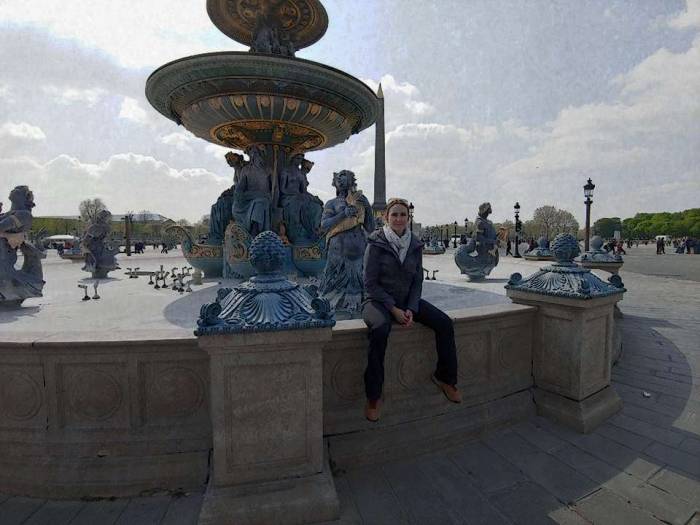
pixel 486 100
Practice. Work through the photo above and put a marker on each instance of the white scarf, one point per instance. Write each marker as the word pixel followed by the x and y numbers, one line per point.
pixel 399 244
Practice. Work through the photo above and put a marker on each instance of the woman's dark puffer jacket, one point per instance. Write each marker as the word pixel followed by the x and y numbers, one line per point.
pixel 389 282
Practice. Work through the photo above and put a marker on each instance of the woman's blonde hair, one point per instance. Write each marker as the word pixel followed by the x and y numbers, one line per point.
pixel 393 202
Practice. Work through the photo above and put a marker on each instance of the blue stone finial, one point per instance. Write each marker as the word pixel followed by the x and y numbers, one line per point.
pixel 267 253
pixel 565 248
pixel 565 278
pixel 267 301
pixel 597 256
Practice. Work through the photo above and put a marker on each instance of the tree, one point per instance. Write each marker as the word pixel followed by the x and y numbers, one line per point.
pixel 89 208
pixel 548 221
pixel 607 226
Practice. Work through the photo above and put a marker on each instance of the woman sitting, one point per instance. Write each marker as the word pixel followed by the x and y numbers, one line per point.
pixel 393 279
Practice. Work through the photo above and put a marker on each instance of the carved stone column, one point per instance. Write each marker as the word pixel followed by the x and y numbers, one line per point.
pixel 573 338
pixel 265 341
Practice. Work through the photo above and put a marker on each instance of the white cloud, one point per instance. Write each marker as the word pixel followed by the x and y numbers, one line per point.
pixel 21 130
pixel 640 148
pixel 216 151
pixel 403 101
pixel 132 110
pixel 173 28
pixel 179 140
pixel 688 18
pixel 124 181
pixel 419 108
pixel 71 95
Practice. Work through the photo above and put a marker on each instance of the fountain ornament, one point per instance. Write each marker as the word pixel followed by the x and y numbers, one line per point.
pixel 18 284
pixel 267 302
pixel 597 255
pixel 273 106
pixel 541 252
pixel 565 278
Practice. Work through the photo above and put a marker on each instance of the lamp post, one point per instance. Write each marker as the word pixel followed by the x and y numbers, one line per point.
pixel 410 214
pixel 454 237
pixel 466 226
pixel 588 193
pixel 516 208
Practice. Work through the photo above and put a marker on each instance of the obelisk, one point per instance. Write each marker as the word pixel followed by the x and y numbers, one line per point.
pixel 379 204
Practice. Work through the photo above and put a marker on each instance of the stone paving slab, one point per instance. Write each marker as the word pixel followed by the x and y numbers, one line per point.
pixel 605 507
pixel 55 513
pixel 106 512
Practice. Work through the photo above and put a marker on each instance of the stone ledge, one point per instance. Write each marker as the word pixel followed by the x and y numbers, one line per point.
pixel 429 434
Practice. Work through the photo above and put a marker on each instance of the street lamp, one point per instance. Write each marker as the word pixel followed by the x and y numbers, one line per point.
pixel 516 208
pixel 410 214
pixel 588 193
pixel 454 238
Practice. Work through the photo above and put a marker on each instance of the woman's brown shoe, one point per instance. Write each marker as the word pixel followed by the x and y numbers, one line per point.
pixel 451 392
pixel 372 410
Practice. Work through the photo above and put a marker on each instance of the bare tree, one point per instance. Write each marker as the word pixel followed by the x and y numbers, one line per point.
pixel 89 208
pixel 548 221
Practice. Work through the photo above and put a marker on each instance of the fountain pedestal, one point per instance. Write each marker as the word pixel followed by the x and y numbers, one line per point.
pixel 265 339
pixel 269 464
pixel 574 333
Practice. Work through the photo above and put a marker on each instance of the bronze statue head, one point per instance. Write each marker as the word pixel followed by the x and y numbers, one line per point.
pixel 485 210
pixel 22 198
pixel 343 180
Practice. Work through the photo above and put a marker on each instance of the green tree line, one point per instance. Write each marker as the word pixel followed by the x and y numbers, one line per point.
pixel 648 225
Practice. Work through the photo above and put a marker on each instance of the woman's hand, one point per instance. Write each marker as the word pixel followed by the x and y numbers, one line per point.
pixel 350 211
pixel 403 317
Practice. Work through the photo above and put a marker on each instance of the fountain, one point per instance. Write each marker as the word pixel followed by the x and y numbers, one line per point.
pixel 274 107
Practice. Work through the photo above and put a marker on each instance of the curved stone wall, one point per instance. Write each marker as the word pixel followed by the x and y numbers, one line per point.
pixel 494 349
pixel 95 417
pixel 93 414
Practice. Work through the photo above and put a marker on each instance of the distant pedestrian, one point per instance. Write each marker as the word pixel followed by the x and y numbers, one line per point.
pixel 660 246
pixel 164 249
pixel 508 248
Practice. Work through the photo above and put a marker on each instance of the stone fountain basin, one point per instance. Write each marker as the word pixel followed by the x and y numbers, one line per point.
pixel 236 99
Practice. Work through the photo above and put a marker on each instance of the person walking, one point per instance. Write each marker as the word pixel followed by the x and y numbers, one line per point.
pixel 508 247
pixel 393 281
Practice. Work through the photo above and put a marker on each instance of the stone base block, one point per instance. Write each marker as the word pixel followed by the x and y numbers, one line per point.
pixel 583 416
pixel 293 501
pixel 428 434
pixel 116 476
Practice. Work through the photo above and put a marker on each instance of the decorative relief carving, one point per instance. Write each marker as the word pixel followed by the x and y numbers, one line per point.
pixel 199 250
pixel 94 395
pixel 307 253
pixel 176 392
pixel 509 341
pixel 242 133
pixel 415 366
pixel 473 357
pixel 20 395
pixel 346 377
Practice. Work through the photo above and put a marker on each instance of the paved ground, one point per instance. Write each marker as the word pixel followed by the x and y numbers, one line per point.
pixel 641 467
pixel 643 259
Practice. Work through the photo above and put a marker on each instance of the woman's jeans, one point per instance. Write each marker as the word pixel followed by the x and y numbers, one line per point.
pixel 379 320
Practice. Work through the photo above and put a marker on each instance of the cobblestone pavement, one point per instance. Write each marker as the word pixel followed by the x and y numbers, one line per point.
pixel 640 467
